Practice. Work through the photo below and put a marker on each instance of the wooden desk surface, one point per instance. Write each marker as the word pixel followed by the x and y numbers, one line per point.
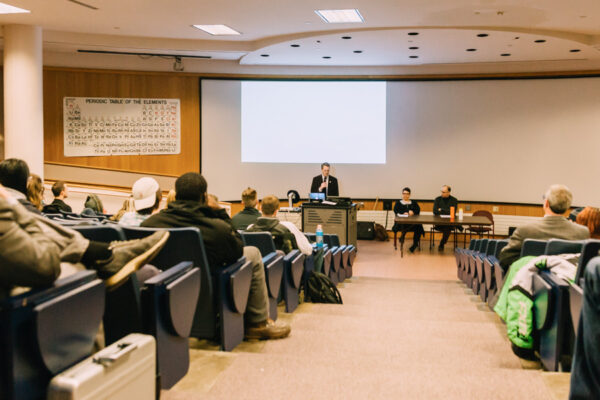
pixel 437 220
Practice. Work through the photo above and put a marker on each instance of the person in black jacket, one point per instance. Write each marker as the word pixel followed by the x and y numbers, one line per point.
pixel 223 246
pixel 441 206
pixel 14 174
pixel 325 183
pixel 406 206
pixel 60 192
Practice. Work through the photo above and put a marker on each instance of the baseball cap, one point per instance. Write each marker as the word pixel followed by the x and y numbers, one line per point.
pixel 144 192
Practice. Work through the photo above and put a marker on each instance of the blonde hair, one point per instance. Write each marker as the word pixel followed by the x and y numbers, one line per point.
pixel 559 198
pixel 35 191
pixel 128 205
pixel 171 197
pixel 249 197
pixel 269 205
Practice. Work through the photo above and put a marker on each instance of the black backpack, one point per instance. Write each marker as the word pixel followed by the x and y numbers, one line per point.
pixel 320 289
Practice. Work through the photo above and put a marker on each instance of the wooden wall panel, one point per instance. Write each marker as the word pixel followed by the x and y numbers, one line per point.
pixel 59 83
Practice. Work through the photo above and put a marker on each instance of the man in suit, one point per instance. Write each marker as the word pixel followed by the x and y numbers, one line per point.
pixel 442 206
pixel 325 183
pixel 557 202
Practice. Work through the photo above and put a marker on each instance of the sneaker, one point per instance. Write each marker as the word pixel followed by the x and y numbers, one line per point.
pixel 130 255
pixel 267 330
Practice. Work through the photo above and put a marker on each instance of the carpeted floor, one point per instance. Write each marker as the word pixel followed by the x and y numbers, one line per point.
pixel 391 339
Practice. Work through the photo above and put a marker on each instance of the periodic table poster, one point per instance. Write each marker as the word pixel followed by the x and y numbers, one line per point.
pixel 106 126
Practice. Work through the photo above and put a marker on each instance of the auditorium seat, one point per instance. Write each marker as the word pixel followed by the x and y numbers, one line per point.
pixel 292 278
pixel 482 278
pixel 45 331
pixel 533 247
pixel 348 254
pixel 492 271
pixel 218 313
pixel 561 246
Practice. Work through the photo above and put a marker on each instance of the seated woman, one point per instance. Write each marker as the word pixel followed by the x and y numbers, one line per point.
pixel 408 207
pixel 590 217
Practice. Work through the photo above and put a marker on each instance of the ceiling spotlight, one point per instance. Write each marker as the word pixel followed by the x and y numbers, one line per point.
pixel 413 48
pixel 326 57
pixel 540 41
pixel 264 55
pixel 346 37
pixel 294 45
pixel 505 54
pixel 413 33
pixel 178 64
pixel 575 50
pixel 413 56
pixel 360 51
pixel 482 35
pixel 471 49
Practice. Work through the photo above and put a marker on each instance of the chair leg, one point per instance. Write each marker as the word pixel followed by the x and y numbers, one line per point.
pixel 395 237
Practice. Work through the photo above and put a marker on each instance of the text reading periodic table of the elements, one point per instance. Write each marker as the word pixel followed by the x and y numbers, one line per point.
pixel 105 126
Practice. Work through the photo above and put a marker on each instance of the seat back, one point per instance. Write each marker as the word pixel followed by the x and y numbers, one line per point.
pixel 261 240
pixel 533 247
pixel 500 244
pixel 484 213
pixel 186 244
pixel 334 239
pixel 168 302
pixel 560 246
pixel 491 247
pixel 482 246
pixel 101 233
pixel 312 237
pixel 589 250
pixel 45 331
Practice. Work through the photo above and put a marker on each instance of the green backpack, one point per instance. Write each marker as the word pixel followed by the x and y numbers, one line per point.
pixel 320 289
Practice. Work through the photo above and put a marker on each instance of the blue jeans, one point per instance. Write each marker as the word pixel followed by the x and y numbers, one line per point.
pixel 585 372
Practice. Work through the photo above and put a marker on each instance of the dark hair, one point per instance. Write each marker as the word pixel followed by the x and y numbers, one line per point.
pixel 325 164
pixel 14 174
pixel 191 186
pixel 57 188
pixel 406 189
pixel 148 210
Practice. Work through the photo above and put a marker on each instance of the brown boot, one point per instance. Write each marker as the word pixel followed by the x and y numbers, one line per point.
pixel 267 330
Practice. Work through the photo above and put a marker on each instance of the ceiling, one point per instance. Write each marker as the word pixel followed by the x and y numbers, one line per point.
pixel 533 34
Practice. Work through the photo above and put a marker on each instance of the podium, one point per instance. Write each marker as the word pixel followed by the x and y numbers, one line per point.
pixel 335 219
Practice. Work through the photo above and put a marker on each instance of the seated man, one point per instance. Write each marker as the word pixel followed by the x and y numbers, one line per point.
pixel 60 192
pixel 34 250
pixel 286 235
pixel 146 200
pixel 554 225
pixel 249 214
pixel 441 206
pixel 223 247
pixel 13 176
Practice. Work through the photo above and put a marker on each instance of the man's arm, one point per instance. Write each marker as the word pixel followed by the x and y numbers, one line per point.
pixel 302 242
pixel 27 257
pixel 512 251
pixel 314 187
pixel 333 189
pixel 437 206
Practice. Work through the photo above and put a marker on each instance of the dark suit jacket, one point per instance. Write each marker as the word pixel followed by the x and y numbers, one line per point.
pixel 549 227
pixel 332 189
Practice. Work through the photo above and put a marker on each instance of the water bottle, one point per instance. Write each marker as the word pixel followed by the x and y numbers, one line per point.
pixel 460 214
pixel 319 237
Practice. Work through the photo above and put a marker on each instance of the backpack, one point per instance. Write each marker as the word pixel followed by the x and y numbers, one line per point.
pixel 320 289
pixel 381 233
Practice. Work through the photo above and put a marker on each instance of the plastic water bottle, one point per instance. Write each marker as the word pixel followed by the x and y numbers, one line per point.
pixel 460 214
pixel 319 237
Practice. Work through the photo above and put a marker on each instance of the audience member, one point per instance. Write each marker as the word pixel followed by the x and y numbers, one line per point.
pixel 94 204
pixel 283 238
pixel 585 371
pixel 590 217
pixel 32 249
pixel 60 192
pixel 125 208
pixel 35 191
pixel 146 200
pixel 441 206
pixel 250 213
pixel 223 246
pixel 14 174
pixel 408 207
pixel 170 197
pixel 557 201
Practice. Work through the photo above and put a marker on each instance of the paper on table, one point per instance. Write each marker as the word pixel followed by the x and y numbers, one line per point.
pixel 445 216
pixel 401 215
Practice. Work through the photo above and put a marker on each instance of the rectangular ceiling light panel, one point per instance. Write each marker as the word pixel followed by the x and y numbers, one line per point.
pixel 217 30
pixel 6 9
pixel 340 16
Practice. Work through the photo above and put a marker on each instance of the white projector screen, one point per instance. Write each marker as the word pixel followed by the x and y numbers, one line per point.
pixel 491 140
pixel 308 122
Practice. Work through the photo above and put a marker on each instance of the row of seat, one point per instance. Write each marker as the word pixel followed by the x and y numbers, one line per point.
pixel 43 332
pixel 557 303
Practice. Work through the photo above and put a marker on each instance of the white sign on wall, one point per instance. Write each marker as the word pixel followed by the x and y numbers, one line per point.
pixel 106 126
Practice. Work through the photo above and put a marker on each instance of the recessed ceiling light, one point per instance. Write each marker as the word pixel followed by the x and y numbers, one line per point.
pixel 294 45
pixel 326 57
pixel 264 55
pixel 217 30
pixel 505 54
pixel 340 16
pixel 471 49
pixel 413 48
pixel 413 56
pixel 540 41
pixel 575 50
pixel 360 51
pixel 517 37
pixel 318 41
pixel 482 35
pixel 346 37
pixel 413 33
pixel 6 9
